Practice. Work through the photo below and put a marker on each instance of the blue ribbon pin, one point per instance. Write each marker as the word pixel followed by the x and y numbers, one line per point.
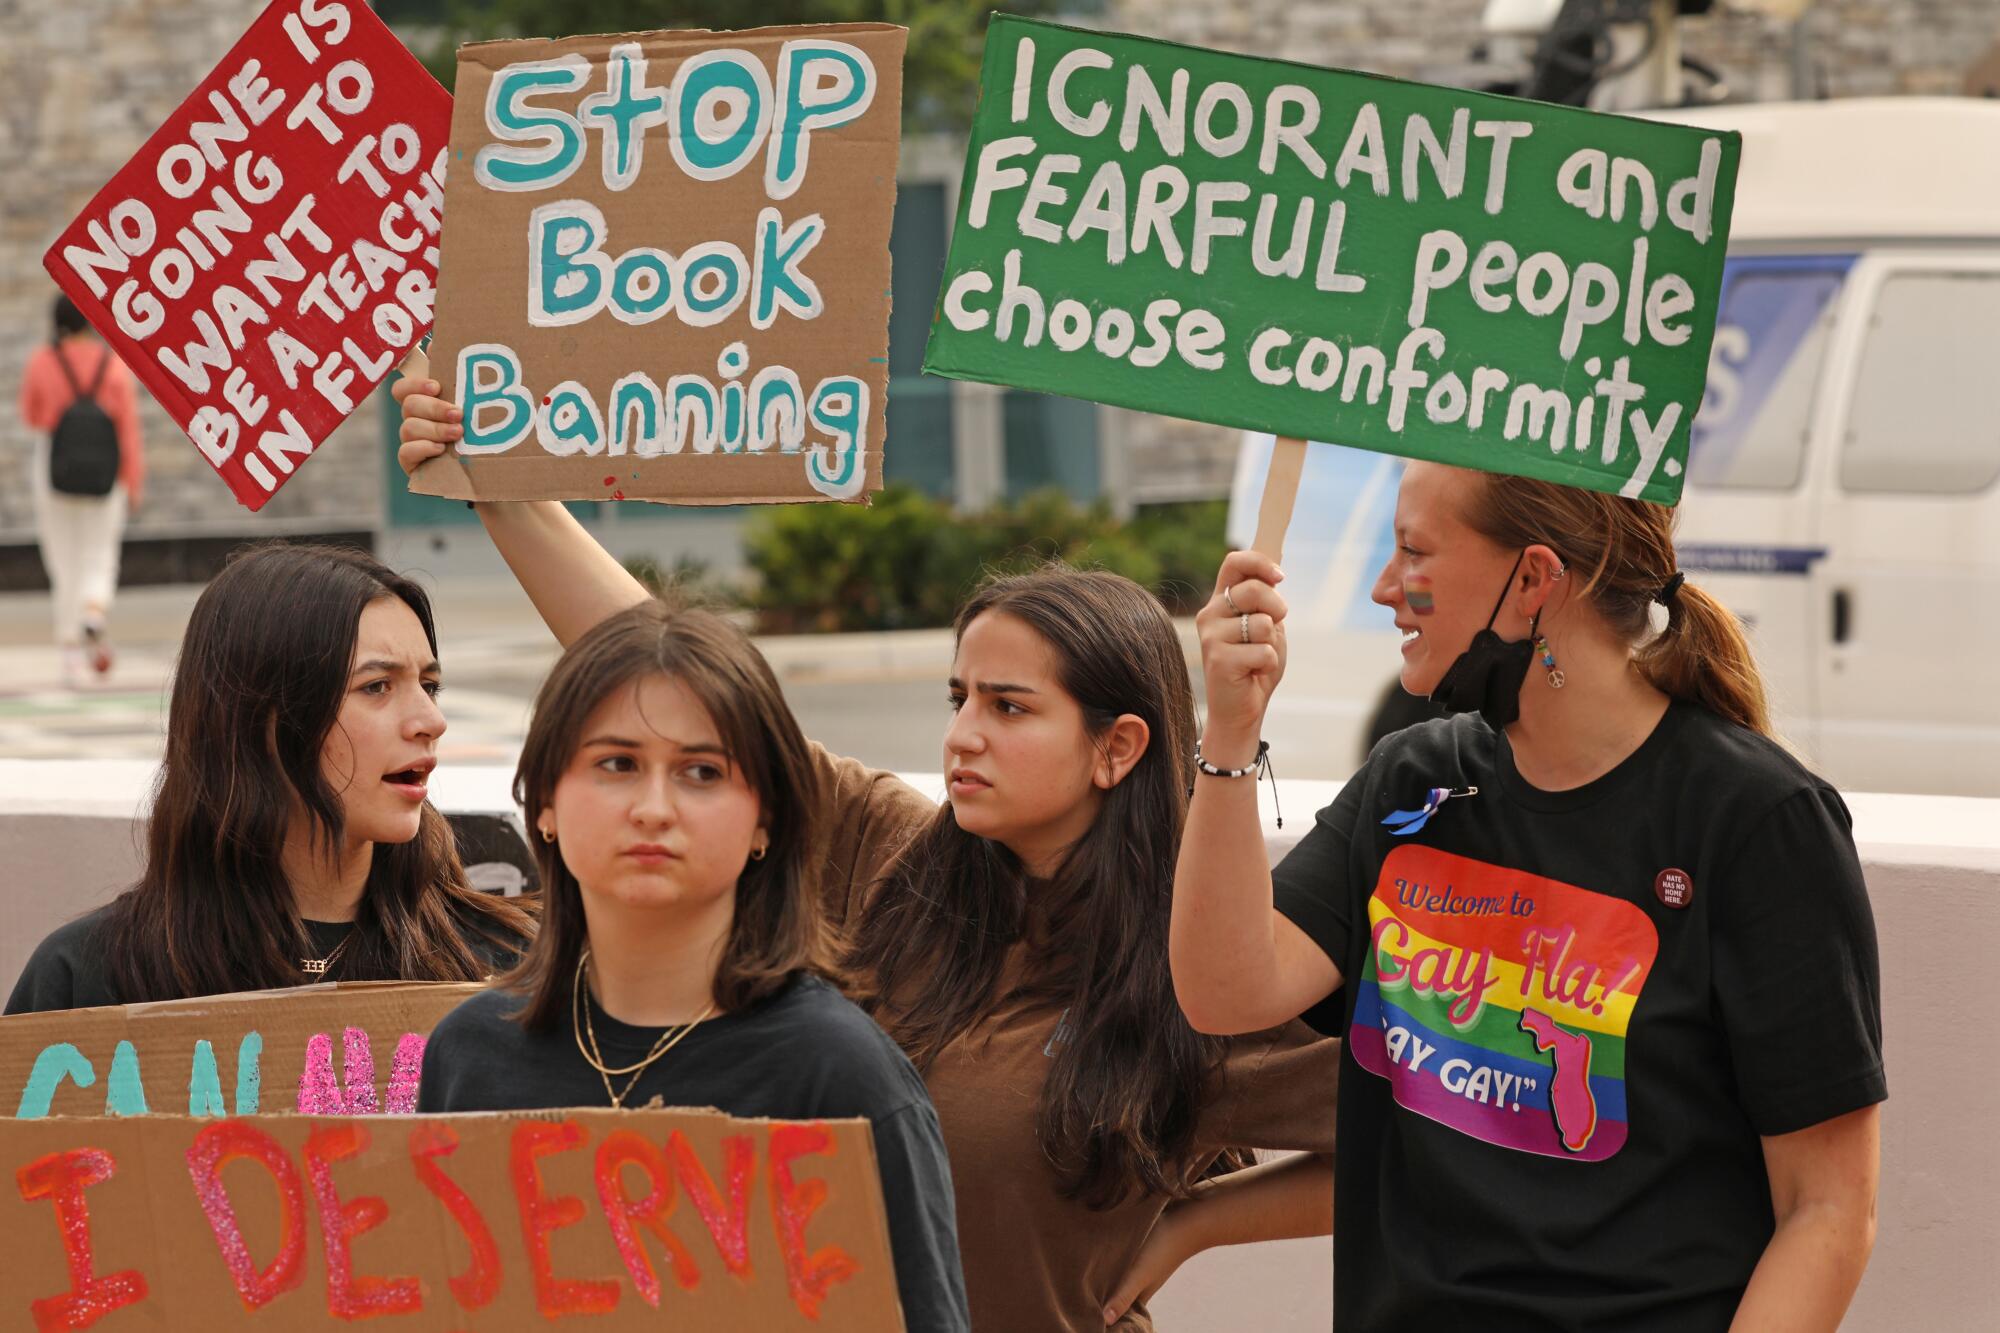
pixel 1405 822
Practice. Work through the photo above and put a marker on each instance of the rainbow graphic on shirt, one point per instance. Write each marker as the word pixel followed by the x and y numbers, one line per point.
pixel 1497 1002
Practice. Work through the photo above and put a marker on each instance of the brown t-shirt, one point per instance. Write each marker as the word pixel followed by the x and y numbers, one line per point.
pixel 1034 1260
pixel 870 816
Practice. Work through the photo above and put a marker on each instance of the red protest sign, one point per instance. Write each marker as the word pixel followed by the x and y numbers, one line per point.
pixel 271 252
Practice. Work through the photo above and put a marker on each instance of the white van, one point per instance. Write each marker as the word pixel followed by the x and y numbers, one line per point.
pixel 1841 492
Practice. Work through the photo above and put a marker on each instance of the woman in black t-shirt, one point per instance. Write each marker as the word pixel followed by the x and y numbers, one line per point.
pixel 682 959
pixel 290 839
pixel 1604 958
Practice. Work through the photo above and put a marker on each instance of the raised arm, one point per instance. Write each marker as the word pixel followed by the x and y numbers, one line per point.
pixel 573 582
pixel 1238 965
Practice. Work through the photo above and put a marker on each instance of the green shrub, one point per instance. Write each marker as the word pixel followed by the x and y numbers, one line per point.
pixel 688 581
pixel 840 567
pixel 908 561
pixel 1189 541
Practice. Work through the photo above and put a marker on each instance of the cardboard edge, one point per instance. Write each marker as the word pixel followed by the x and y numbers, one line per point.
pixel 446 477
pixel 882 1220
pixel 198 1005
pixel 764 31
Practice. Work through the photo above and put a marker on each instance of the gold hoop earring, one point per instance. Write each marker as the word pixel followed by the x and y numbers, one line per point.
pixel 757 853
pixel 548 835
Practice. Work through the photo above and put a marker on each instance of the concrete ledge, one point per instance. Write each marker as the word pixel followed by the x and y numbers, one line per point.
pixel 68 839
pixel 162 556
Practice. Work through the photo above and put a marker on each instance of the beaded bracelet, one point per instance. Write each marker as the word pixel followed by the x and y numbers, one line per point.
pixel 1261 760
pixel 1257 767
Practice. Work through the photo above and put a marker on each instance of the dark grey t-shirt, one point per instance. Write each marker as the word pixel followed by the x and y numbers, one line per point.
pixel 807 1053
pixel 1570 1018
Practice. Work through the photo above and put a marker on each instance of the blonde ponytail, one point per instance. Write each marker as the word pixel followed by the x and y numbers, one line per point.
pixel 1703 657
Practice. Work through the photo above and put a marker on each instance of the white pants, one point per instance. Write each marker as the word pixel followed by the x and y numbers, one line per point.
pixel 79 538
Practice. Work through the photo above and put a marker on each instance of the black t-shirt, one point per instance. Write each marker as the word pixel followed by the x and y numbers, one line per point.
pixel 1580 1011
pixel 67 969
pixel 806 1053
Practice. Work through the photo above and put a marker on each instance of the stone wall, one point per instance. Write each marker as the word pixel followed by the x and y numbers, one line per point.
pixel 82 84
pixel 1852 48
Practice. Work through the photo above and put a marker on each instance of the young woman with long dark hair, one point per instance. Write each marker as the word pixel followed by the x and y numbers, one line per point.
pixel 1014 942
pixel 682 959
pixel 1606 961
pixel 290 839
pixel 1017 948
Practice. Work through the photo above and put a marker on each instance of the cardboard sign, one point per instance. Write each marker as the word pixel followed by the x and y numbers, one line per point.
pixel 353 1048
pixel 667 272
pixel 271 253
pixel 638 1219
pixel 1422 271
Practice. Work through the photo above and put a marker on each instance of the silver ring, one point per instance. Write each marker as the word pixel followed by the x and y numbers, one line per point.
pixel 1232 602
pixel 1243 627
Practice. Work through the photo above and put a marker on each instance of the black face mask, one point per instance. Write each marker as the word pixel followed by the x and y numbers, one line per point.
pixel 1486 678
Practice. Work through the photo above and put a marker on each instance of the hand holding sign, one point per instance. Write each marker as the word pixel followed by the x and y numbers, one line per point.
pixel 430 423
pixel 1242 631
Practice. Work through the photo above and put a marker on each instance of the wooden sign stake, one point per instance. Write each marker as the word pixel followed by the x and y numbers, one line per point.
pixel 1281 488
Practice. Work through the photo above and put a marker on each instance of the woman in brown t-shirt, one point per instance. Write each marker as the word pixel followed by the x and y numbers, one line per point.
pixel 1016 942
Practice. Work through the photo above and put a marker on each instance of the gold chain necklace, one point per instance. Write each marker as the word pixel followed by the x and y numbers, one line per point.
pixel 586 1039
pixel 317 967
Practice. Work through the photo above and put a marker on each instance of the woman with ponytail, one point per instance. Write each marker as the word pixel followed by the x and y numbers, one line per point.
pixel 1601 946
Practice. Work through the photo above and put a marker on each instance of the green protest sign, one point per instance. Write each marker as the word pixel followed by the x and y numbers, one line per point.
pixel 1423 271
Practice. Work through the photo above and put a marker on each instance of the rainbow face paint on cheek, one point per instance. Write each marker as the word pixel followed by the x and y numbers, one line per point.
pixel 1417 592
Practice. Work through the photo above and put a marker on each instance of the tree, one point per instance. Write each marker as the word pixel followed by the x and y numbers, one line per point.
pixel 940 70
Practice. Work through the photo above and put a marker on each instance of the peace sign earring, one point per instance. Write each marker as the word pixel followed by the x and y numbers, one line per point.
pixel 1556 677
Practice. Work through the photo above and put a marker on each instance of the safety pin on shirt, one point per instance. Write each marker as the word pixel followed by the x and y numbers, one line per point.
pixel 1405 822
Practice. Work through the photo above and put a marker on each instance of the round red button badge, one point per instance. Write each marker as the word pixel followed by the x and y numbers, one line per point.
pixel 1674 888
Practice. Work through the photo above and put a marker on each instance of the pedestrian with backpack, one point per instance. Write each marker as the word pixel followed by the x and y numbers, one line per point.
pixel 89 470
